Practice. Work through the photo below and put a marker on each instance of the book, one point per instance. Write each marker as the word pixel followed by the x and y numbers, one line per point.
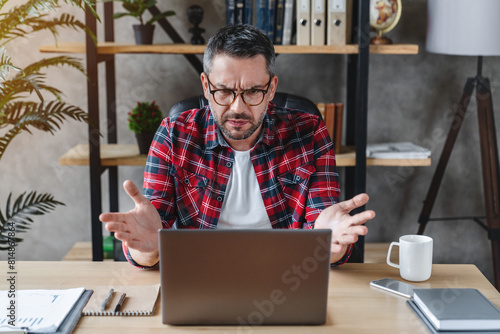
pixel 339 122
pixel 230 12
pixel 288 22
pixel 330 120
pixel 140 301
pixel 271 19
pixel 397 150
pixel 239 15
pixel 433 329
pixel 249 10
pixel 46 311
pixel 457 309
pixel 321 107
pixel 280 16
pixel 261 16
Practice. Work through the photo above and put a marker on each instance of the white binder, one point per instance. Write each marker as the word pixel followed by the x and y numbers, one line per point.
pixel 318 22
pixel 339 22
pixel 303 22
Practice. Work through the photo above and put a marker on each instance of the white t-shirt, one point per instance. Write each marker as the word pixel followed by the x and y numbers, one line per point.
pixel 243 206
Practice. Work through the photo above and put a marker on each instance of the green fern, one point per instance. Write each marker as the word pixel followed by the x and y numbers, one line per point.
pixel 54 61
pixel 30 80
pixel 22 96
pixel 6 66
pixel 43 22
pixel 48 118
pixel 21 19
pixel 17 218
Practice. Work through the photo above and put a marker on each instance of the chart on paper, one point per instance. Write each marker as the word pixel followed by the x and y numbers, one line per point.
pixel 38 310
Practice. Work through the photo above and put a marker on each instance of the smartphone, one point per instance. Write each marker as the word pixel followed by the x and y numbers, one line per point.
pixel 397 287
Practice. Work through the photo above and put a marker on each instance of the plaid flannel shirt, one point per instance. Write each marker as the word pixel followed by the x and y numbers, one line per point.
pixel 189 164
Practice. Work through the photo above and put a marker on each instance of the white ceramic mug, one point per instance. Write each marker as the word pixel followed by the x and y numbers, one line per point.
pixel 415 257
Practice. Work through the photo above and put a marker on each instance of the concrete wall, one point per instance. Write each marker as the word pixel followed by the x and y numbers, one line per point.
pixel 410 99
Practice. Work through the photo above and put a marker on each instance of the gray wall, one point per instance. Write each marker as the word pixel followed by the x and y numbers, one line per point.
pixel 410 99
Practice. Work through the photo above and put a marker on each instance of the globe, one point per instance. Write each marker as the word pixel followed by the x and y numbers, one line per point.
pixel 384 16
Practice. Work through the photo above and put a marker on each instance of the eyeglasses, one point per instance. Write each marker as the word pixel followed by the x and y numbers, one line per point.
pixel 251 97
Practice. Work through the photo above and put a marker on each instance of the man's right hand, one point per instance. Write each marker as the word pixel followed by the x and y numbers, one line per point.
pixel 137 228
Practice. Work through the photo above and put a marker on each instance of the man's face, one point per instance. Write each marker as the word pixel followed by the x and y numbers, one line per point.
pixel 239 122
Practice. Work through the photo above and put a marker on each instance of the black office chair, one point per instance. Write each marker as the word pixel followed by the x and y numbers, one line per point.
pixel 286 100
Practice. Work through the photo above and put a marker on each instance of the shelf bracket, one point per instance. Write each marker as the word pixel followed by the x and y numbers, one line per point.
pixel 176 38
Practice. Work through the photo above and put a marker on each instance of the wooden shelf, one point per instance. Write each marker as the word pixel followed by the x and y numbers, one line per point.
pixel 111 155
pixel 128 155
pixel 115 48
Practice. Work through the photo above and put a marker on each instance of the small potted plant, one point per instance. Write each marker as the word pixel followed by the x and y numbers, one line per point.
pixel 136 8
pixel 144 120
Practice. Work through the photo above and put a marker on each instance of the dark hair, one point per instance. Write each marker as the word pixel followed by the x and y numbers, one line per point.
pixel 242 41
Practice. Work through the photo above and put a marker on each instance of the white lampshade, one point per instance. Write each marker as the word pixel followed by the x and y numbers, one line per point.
pixel 464 27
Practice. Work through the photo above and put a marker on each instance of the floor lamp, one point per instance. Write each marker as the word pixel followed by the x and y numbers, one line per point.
pixel 469 28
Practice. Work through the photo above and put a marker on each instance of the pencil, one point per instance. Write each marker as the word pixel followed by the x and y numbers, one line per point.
pixel 106 301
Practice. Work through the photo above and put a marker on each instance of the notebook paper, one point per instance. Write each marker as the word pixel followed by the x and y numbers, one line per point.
pixel 140 300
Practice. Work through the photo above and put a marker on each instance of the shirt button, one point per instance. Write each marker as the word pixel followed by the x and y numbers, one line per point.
pixel 219 199
pixel 186 181
pixel 229 164
pixel 298 178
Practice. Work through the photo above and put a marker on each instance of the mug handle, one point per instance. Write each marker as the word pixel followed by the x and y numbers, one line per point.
pixel 392 264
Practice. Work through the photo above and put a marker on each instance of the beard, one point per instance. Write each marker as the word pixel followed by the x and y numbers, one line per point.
pixel 237 133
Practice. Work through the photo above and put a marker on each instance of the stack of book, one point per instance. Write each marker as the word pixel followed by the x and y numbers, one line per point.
pixel 397 150
pixel 274 17
pixel 333 116
pixel 455 311
pixel 301 22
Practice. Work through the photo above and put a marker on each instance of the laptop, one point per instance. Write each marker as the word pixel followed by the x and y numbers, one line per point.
pixel 244 277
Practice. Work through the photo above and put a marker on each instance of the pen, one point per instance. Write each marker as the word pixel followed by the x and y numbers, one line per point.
pixel 106 301
pixel 120 302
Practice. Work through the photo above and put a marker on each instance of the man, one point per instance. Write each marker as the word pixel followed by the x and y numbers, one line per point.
pixel 239 163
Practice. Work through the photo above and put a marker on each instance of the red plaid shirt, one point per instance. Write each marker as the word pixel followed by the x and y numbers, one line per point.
pixel 189 164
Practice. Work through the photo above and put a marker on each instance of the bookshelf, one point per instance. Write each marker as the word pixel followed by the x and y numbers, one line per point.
pixel 110 155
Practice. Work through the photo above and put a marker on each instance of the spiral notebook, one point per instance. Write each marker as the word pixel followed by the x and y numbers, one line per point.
pixel 139 301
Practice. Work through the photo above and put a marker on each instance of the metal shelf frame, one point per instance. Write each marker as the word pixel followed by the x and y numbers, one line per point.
pixel 356 114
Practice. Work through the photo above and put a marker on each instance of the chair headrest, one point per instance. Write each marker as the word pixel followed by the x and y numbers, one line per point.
pixel 285 100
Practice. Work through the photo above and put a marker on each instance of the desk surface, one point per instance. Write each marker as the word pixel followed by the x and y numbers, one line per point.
pixel 353 306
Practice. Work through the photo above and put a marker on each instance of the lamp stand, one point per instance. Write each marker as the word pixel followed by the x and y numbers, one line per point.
pixel 489 162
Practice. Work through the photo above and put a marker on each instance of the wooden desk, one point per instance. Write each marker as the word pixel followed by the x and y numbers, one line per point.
pixel 353 306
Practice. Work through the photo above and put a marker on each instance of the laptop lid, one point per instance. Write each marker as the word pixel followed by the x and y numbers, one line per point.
pixel 244 277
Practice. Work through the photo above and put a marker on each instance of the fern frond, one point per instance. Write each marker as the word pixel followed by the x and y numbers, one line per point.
pixel 6 65
pixel 14 112
pixel 23 115
pixel 31 17
pixel 19 14
pixel 36 67
pixel 17 217
pixel 23 87
pixel 85 4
